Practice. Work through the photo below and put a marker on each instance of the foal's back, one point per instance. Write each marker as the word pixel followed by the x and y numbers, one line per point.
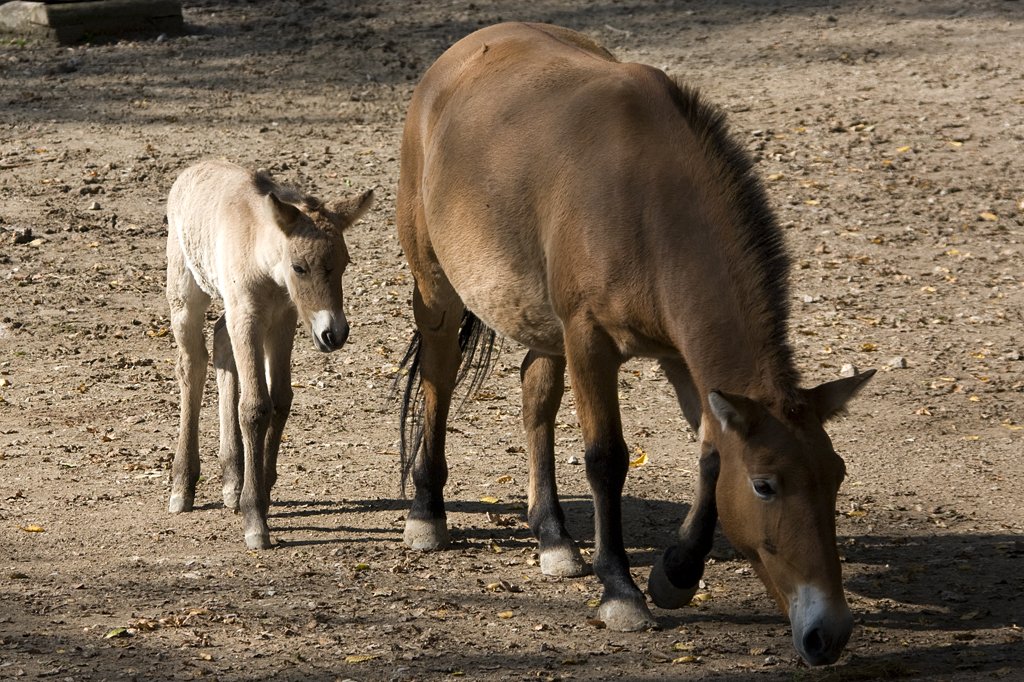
pixel 213 209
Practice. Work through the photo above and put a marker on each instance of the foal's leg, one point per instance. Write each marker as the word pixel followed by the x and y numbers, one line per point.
pixel 543 378
pixel 280 339
pixel 676 574
pixel 594 363
pixel 188 305
pixel 437 319
pixel 231 450
pixel 254 408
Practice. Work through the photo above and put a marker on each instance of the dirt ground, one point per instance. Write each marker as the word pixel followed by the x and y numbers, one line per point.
pixel 890 138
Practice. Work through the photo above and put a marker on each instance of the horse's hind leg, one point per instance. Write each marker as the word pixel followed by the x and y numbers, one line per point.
pixel 594 362
pixel 437 319
pixel 280 340
pixel 543 378
pixel 676 574
pixel 231 452
pixel 188 305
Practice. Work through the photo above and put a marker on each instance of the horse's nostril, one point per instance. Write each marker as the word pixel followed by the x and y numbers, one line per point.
pixel 328 338
pixel 814 643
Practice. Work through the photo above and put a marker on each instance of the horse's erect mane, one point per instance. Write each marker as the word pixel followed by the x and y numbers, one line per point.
pixel 762 241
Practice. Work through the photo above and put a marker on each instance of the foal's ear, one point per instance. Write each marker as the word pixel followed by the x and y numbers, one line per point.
pixel 734 412
pixel 830 398
pixel 285 214
pixel 352 209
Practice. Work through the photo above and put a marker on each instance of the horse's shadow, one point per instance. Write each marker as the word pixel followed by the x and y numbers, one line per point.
pixel 948 581
pixel 646 522
pixel 942 581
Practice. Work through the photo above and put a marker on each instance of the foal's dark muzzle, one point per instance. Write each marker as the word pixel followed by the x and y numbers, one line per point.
pixel 331 339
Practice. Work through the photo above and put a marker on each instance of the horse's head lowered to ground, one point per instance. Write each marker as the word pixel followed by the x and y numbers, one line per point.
pixel 776 495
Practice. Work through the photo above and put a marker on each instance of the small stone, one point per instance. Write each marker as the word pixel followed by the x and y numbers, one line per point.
pixel 1013 355
pixel 898 362
pixel 23 236
pixel 573 460
pixel 848 370
pixel 94 206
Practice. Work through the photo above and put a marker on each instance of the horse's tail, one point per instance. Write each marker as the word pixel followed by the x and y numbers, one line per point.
pixel 477 344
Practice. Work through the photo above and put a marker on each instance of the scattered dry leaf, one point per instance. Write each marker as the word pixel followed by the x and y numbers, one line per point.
pixel 640 459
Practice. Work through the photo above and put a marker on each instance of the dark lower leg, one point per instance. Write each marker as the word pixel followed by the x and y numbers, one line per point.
pixel 543 380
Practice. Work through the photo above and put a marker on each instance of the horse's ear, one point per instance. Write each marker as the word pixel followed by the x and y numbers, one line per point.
pixel 735 413
pixel 829 399
pixel 285 215
pixel 352 209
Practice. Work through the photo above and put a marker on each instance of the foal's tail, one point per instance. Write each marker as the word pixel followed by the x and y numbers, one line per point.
pixel 477 344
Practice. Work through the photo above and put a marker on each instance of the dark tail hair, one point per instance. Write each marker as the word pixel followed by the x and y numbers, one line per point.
pixel 477 343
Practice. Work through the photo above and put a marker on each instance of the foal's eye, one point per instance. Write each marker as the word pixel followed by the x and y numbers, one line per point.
pixel 763 488
pixel 299 269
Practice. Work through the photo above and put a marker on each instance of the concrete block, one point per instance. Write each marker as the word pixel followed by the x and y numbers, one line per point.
pixel 72 22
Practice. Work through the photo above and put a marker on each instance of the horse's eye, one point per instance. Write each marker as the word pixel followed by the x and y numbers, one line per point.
pixel 299 269
pixel 763 488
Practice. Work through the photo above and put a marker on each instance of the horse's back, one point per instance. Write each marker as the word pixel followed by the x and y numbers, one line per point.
pixel 525 147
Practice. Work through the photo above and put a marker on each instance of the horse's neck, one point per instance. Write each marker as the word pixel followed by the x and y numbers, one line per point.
pixel 269 247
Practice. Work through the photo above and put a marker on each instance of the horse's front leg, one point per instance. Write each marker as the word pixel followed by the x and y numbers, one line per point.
pixel 543 379
pixel 676 574
pixel 437 319
pixel 594 362
pixel 280 340
pixel 254 412
pixel 231 453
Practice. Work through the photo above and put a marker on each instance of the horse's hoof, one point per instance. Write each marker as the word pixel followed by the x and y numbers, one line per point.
pixel 564 561
pixel 258 540
pixel 663 592
pixel 231 499
pixel 426 535
pixel 627 615
pixel 180 503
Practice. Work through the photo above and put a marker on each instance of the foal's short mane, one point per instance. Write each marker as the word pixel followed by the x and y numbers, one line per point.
pixel 762 240
pixel 266 185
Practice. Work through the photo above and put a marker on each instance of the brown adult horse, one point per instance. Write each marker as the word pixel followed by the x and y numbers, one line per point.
pixel 594 211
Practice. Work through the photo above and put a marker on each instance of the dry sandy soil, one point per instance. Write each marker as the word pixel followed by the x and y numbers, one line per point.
pixel 890 138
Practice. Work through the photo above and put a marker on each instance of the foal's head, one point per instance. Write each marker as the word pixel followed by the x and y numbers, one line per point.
pixel 776 496
pixel 315 259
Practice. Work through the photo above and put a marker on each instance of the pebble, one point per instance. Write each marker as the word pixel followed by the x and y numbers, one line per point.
pixel 573 460
pixel 898 362
pixel 848 370
pixel 1013 355
pixel 94 206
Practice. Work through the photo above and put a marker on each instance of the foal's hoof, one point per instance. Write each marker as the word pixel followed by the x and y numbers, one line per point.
pixel 564 561
pixel 180 503
pixel 627 615
pixel 663 592
pixel 426 535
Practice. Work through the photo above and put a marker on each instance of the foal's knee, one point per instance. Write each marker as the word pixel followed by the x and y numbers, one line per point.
pixel 254 413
